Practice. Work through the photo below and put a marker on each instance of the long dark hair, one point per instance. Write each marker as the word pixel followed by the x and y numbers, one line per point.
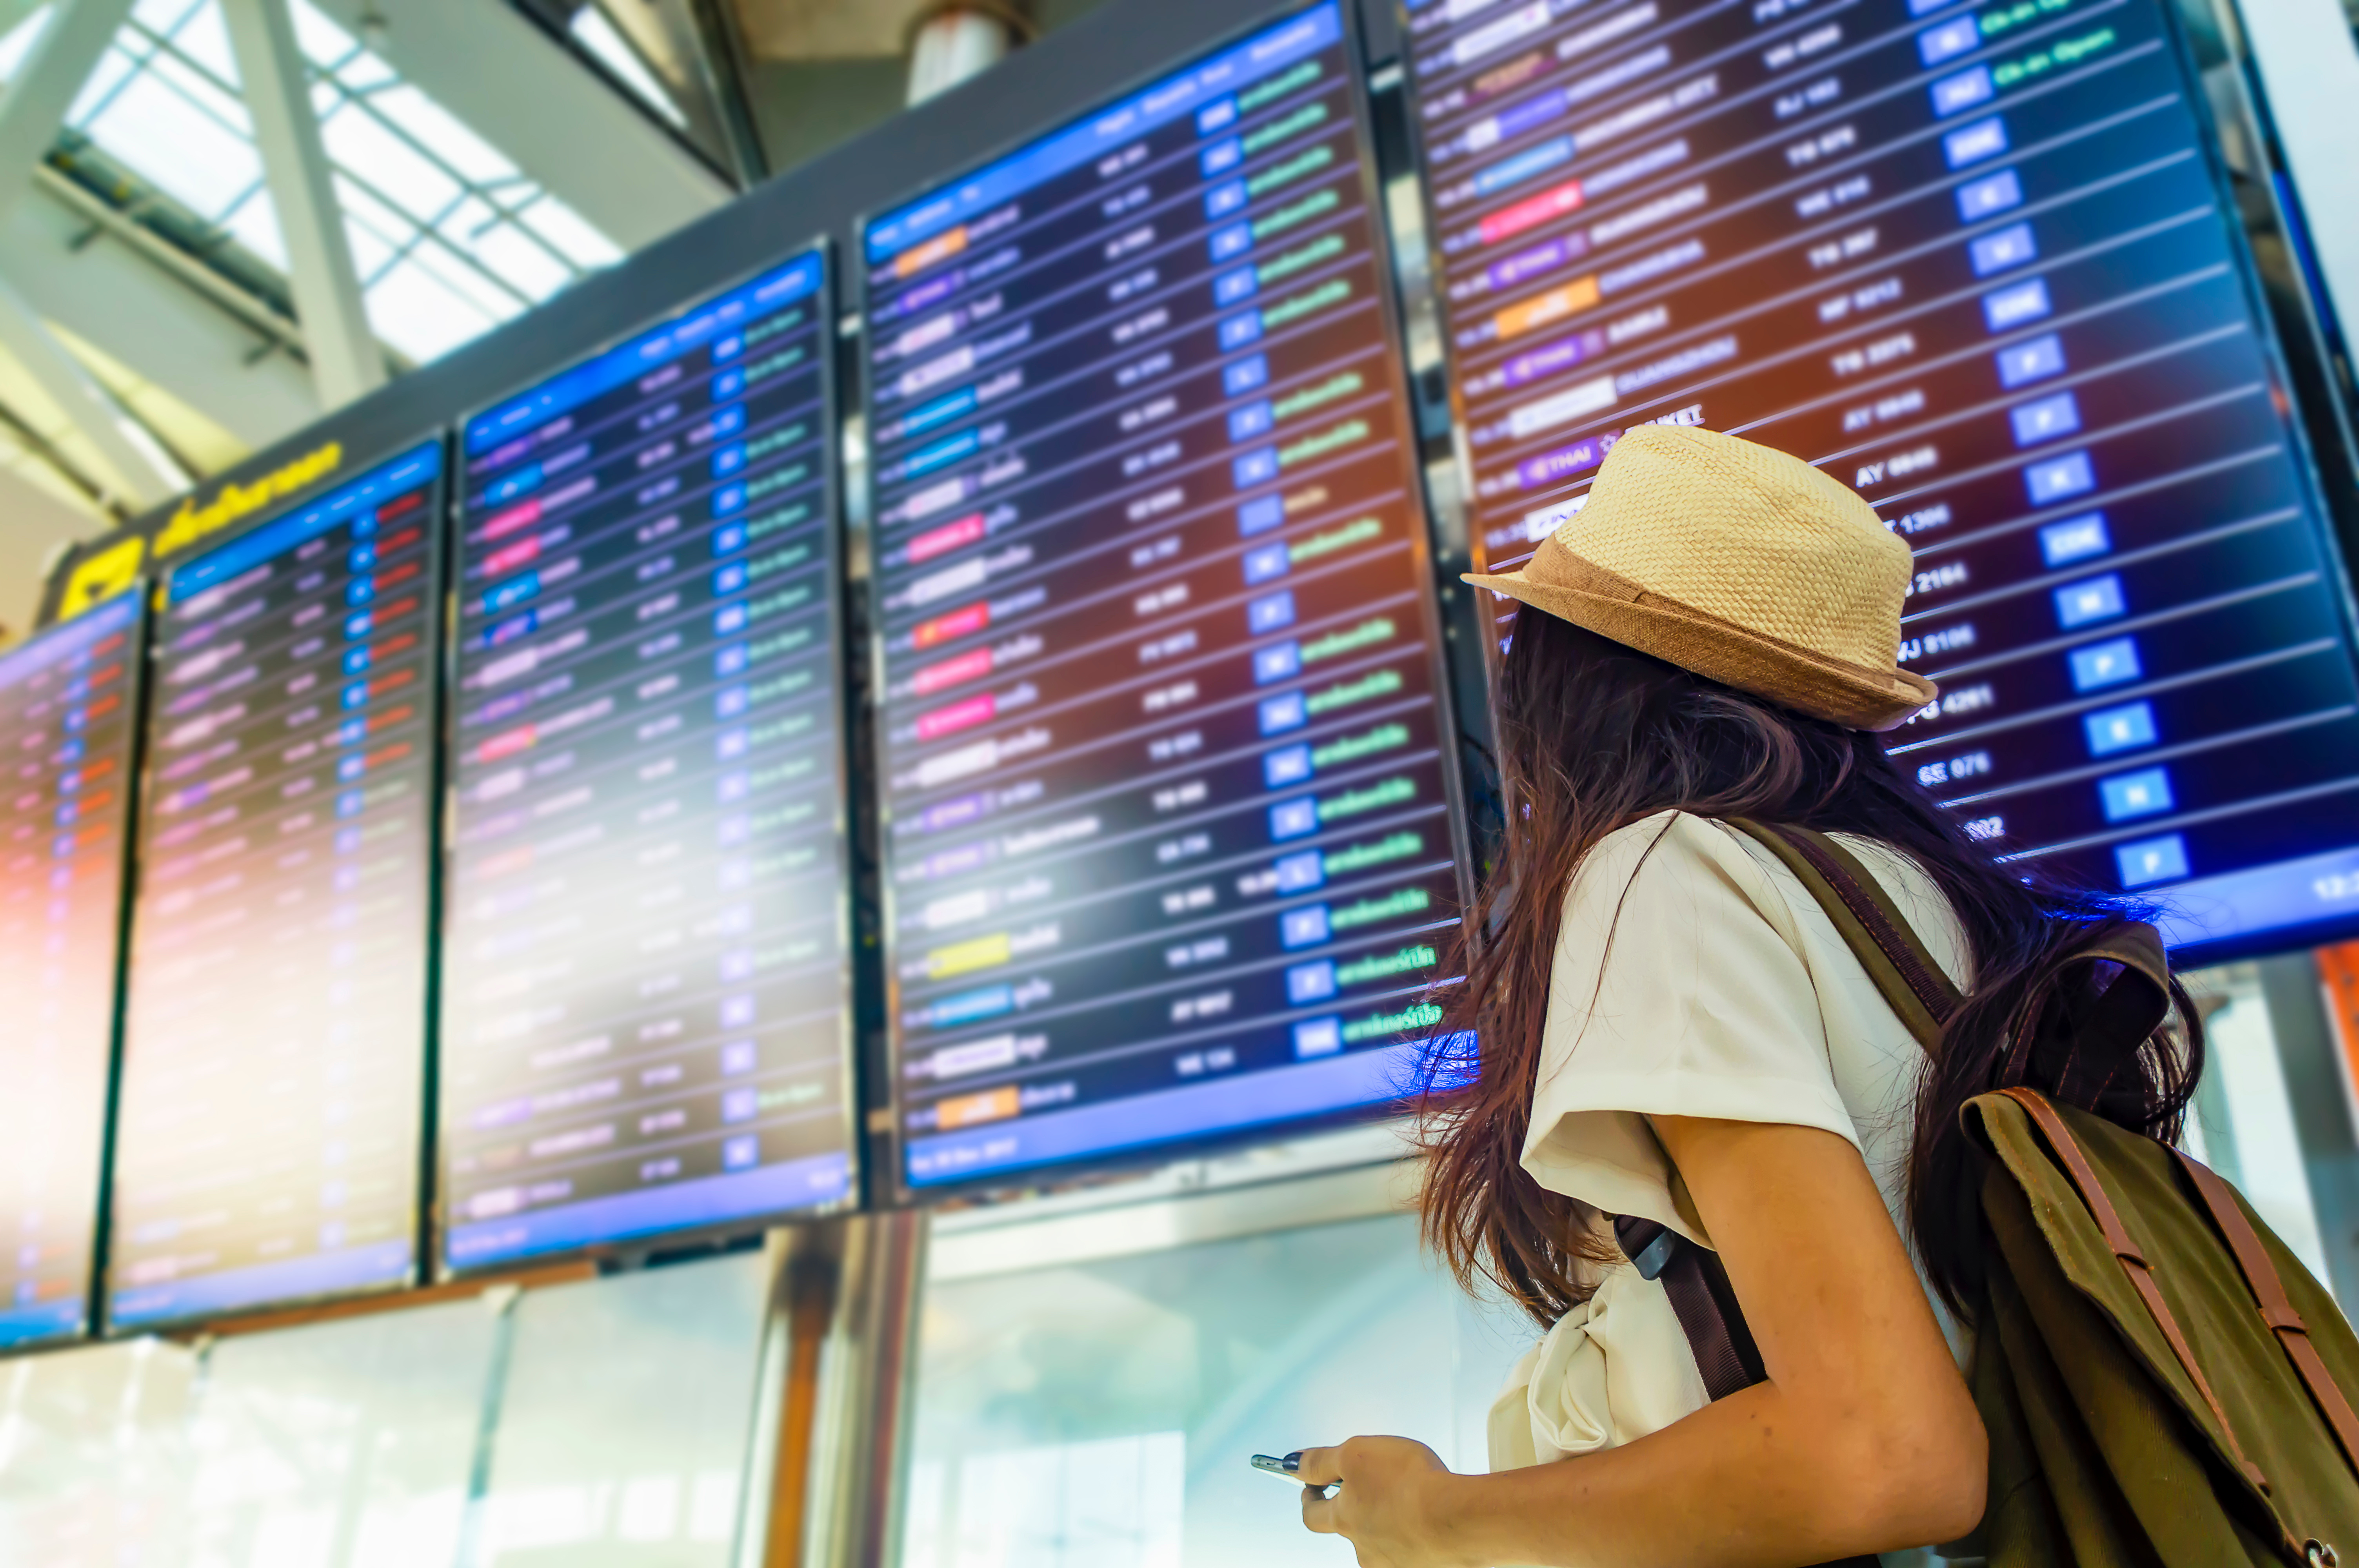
pixel 1593 736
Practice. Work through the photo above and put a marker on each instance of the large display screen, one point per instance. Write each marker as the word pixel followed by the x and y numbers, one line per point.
pixel 68 714
pixel 645 1015
pixel 1972 259
pixel 1168 840
pixel 267 1148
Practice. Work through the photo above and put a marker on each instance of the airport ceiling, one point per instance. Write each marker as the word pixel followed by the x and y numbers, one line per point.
pixel 160 249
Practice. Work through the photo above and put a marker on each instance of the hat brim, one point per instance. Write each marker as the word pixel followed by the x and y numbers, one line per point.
pixel 1792 676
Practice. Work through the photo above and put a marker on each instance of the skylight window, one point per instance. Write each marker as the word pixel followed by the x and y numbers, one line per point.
pixel 449 236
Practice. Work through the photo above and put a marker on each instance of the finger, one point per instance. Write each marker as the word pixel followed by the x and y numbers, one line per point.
pixel 1319 1467
pixel 1318 1511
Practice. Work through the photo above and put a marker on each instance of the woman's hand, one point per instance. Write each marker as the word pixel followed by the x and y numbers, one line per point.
pixel 1864 1438
pixel 1388 1508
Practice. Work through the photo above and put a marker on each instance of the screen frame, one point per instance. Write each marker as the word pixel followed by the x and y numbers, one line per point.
pixel 429 1040
pixel 715 1234
pixel 93 1313
pixel 894 1189
pixel 2328 524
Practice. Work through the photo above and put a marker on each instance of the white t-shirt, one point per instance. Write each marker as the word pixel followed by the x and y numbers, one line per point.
pixel 1695 976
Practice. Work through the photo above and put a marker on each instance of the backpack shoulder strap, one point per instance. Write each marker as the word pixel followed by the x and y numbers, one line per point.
pixel 2133 1260
pixel 1873 928
pixel 2276 1308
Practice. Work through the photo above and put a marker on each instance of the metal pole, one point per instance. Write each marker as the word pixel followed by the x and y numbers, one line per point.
pixel 845 1294
pixel 961 38
pixel 346 362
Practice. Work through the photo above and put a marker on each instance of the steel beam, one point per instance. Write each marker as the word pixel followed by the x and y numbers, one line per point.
pixel 136 466
pixel 346 359
pixel 45 85
pixel 30 113
pixel 172 321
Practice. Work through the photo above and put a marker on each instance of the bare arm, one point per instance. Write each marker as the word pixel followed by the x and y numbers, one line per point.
pixel 1862 1439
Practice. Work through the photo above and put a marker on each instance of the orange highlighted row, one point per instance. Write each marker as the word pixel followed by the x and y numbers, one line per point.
pixel 916 259
pixel 966 1110
pixel 1540 309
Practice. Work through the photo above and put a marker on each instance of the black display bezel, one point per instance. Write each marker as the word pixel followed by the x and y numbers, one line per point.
pixel 2332 523
pixel 429 1041
pixel 891 1136
pixel 717 1233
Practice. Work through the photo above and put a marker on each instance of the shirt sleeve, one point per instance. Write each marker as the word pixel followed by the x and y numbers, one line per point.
pixel 1678 989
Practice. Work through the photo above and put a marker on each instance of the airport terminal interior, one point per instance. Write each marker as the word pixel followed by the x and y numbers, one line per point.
pixel 746 742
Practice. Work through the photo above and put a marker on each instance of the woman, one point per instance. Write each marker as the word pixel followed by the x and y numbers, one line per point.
pixel 1672 1029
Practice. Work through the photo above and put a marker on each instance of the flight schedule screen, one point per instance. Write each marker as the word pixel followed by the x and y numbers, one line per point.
pixel 1970 259
pixel 1168 836
pixel 645 970
pixel 69 709
pixel 274 1055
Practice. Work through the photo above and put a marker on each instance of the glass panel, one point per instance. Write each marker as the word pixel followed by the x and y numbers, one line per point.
pixel 115 66
pixel 572 234
pixel 344 1444
pixel 2243 1121
pixel 1100 1414
pixel 321 41
pixel 161 15
pixel 467 280
pixel 623 1425
pixel 206 94
pixel 418 314
pixel 442 134
pixel 204 38
pixel 94 1455
pixel 507 251
pixel 189 154
pixel 360 145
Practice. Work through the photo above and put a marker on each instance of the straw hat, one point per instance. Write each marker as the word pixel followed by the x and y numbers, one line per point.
pixel 1741 564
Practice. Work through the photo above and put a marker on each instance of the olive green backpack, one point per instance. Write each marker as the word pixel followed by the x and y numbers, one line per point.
pixel 2163 1383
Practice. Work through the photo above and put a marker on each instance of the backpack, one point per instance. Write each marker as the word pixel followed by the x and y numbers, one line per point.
pixel 2162 1381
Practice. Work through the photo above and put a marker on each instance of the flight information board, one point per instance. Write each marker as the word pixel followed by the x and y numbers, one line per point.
pixel 267 1146
pixel 68 714
pixel 646 1016
pixel 1169 840
pixel 1972 259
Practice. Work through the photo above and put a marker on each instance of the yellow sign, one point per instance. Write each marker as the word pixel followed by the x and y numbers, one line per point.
pixel 110 571
pixel 102 577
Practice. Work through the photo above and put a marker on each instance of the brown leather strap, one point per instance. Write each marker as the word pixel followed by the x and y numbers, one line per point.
pixel 1701 1298
pixel 1705 1304
pixel 2276 1308
pixel 1871 926
pixel 2134 1266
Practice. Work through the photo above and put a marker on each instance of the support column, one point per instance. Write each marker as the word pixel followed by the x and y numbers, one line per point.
pixel 45 85
pixel 346 362
pixel 845 1309
pixel 959 40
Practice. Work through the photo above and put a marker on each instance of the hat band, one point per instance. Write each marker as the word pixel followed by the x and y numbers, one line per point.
pixel 1560 567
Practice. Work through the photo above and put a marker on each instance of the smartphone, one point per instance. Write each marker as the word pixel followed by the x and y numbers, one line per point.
pixel 1271 1464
